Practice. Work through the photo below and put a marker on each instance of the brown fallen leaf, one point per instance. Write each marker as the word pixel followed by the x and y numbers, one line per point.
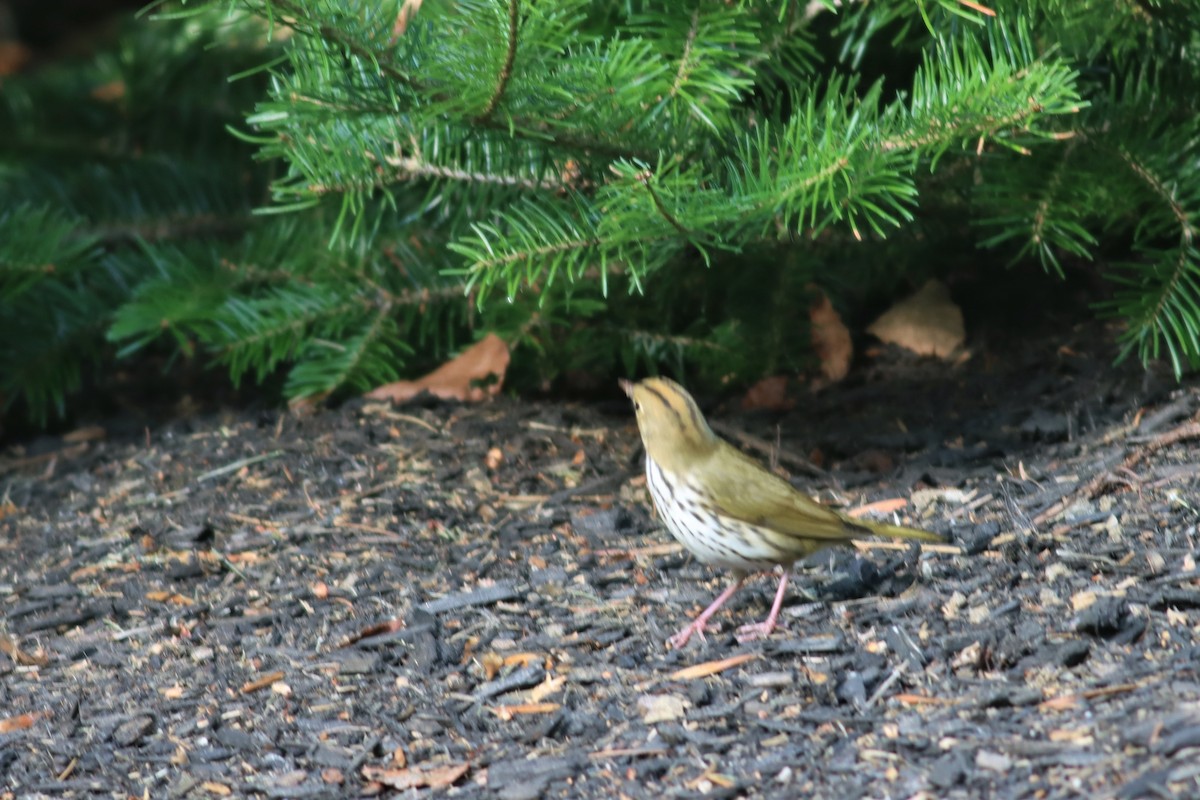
pixel 415 777
pixel 830 339
pixel 491 663
pixel 13 57
pixel 769 394
pixel 927 322
pixel 523 659
pixel 19 723
pixel 13 650
pixel 546 688
pixel 174 598
pixel 457 379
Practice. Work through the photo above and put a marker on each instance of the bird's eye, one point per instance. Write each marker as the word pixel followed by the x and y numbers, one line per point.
pixel 637 406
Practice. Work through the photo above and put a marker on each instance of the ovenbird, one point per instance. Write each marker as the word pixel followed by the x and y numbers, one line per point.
pixel 728 509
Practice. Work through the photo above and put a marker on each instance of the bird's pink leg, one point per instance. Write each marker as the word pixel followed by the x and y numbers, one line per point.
pixel 760 630
pixel 696 626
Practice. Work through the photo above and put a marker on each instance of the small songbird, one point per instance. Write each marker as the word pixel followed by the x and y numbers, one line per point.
pixel 728 509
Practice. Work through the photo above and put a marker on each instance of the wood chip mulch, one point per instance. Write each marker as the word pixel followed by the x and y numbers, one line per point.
pixel 472 601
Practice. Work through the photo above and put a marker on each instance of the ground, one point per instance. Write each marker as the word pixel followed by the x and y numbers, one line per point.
pixel 473 600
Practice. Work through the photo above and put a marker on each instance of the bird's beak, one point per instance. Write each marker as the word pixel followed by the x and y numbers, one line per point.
pixel 626 386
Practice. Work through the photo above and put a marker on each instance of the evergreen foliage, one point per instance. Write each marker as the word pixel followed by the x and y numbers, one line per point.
pixel 610 186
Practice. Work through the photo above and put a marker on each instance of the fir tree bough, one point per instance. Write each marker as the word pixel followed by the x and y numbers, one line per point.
pixel 625 185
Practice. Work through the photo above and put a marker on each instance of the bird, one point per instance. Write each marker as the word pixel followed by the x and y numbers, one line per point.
pixel 727 508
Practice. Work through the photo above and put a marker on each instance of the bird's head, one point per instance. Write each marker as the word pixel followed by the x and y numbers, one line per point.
pixel 672 427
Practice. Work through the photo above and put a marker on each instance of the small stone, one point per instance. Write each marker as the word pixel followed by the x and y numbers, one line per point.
pixel 996 762
pixel 132 731
pixel 661 707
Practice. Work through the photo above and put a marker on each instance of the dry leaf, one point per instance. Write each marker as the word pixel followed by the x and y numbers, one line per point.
pixel 13 56
pixel 952 606
pixel 10 648
pixel 830 339
pixel 456 379
pixel 18 723
pixel 710 667
pixel 769 394
pixel 219 789
pixel 928 322
pixel 546 688
pixel 1083 599
pixel 173 598
pixel 414 777
pixel 524 659
pixel 491 663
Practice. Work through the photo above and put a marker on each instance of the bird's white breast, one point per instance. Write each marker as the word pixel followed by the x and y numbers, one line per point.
pixel 690 517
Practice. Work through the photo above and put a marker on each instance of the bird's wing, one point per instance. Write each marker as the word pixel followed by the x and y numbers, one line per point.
pixel 759 497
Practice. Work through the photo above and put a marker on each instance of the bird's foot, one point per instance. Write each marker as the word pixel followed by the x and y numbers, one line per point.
pixel 755 631
pixel 680 639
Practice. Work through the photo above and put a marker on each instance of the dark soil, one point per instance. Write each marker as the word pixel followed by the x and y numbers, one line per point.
pixel 473 601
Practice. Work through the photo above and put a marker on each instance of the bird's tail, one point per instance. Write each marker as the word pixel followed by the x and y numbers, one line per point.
pixel 900 532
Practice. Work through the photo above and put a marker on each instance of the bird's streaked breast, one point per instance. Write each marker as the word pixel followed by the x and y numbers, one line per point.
pixel 720 541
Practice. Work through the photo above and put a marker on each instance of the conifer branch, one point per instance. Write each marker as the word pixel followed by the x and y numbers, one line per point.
pixel 1041 214
pixel 1166 195
pixel 172 228
pixel 534 129
pixel 507 70
pixel 533 253
pixel 412 167
pixel 498 145
pixel 645 177
pixel 685 57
